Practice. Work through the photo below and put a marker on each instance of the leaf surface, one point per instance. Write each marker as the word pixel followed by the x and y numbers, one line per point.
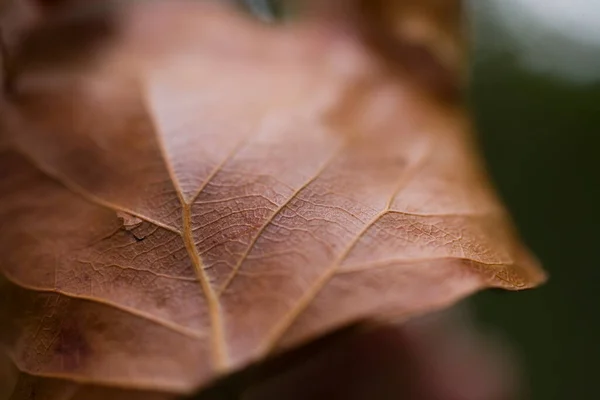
pixel 200 191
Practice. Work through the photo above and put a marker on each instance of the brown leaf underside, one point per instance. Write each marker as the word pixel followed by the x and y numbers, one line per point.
pixel 191 203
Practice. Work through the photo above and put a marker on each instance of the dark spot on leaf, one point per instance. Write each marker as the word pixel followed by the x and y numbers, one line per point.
pixel 72 346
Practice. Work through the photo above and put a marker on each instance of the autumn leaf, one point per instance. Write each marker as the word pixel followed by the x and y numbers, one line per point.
pixel 188 191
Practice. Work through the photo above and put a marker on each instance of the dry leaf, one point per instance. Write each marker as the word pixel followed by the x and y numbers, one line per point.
pixel 196 191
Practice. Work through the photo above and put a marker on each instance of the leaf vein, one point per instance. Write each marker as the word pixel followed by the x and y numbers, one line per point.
pixel 174 327
pixel 287 321
pixel 271 218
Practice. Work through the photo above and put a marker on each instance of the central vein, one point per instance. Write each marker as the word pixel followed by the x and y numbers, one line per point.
pixel 219 355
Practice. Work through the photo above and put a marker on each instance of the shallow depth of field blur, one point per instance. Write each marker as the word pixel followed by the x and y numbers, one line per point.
pixel 536 93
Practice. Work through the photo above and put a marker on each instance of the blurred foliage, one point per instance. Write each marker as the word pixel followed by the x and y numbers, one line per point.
pixel 539 136
pixel 269 10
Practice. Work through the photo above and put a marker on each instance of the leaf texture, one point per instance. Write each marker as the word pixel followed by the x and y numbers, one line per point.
pixel 175 206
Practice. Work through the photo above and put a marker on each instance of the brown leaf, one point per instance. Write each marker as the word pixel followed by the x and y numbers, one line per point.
pixel 421 37
pixel 200 190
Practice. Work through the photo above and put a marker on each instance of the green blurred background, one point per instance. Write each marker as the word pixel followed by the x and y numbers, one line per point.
pixel 536 94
